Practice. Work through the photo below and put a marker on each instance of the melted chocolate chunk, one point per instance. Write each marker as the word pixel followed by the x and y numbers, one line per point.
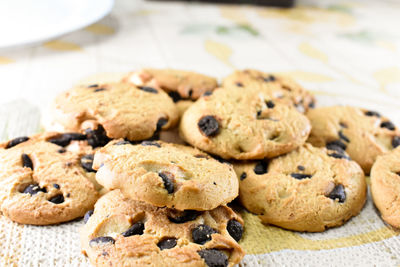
pixel 135 229
pixel 101 240
pixel 57 199
pixel 168 179
pixel 261 168
pixel 26 161
pixel 213 257
pixel 395 141
pixel 65 139
pixel 99 90
pixel 61 150
pixel 300 176
pixel 150 143
pixel 235 229
pixel 207 93
pixel 98 137
pixel 270 104
pixel 388 125
pixel 148 89
pixel 176 216
pixel 167 243
pixel 311 104
pixel 16 141
pixel 338 156
pixel 208 125
pixel 33 189
pixel 372 113
pixel 270 78
pixel 336 145
pixel 343 137
pixel 175 96
pixel 338 193
pixel 243 176
pixel 93 85
pixel 87 163
pixel 202 234
pixel 87 216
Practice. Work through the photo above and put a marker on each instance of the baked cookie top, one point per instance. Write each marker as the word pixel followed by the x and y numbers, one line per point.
pixel 179 84
pixel 243 124
pixel 121 110
pixel 385 186
pixel 277 86
pixel 47 178
pixel 308 189
pixel 363 134
pixel 126 232
pixel 165 174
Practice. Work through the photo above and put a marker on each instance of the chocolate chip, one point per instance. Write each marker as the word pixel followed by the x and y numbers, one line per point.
pixel 208 125
pixel 243 176
pixel 93 85
pixel 160 123
pixel 239 84
pixel 338 193
pixel 343 125
pixel 57 199
pixel 33 189
pixel 176 216
pixel 372 113
pixel 101 240
pixel 336 145
pixel 311 104
pixel 300 176
pixel 213 257
pixel 175 96
pixel 61 150
pixel 200 156
pixel 339 156
pixel 235 229
pixel 65 139
pixel 98 137
pixel 99 90
pixel 168 179
pixel 167 243
pixel 190 93
pixel 148 89
pixel 395 141
pixel 88 214
pixel 301 168
pixel 150 143
pixel 136 229
pixel 68 195
pixel 56 186
pixel 202 234
pixel 207 93
pixel 270 104
pixel 87 162
pixel 26 161
pixel 17 141
pixel 343 137
pixel 122 142
pixel 388 125
pixel 261 168
pixel 270 78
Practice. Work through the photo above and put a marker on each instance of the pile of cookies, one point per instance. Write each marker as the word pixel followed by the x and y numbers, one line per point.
pixel 152 196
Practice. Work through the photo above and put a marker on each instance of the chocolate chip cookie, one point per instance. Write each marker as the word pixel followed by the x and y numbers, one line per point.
pixel 363 134
pixel 309 189
pixel 385 186
pixel 179 84
pixel 164 174
pixel 47 178
pixel 277 86
pixel 126 232
pixel 113 110
pixel 243 124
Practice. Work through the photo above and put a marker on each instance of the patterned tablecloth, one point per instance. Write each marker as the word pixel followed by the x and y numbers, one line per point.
pixel 345 52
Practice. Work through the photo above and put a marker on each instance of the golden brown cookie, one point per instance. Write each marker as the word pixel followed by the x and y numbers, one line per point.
pixel 363 134
pixel 162 174
pixel 309 189
pixel 243 124
pixel 127 232
pixel 278 86
pixel 113 110
pixel 178 84
pixel 47 178
pixel 385 186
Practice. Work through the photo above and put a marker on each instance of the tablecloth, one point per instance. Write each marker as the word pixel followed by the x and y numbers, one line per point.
pixel 346 52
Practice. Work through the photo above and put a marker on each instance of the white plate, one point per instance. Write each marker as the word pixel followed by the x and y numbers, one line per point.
pixel 30 21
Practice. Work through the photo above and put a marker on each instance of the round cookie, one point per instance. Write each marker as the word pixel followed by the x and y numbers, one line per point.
pixel 127 232
pixel 278 86
pixel 47 178
pixel 243 125
pixel 165 174
pixel 113 110
pixel 309 189
pixel 178 84
pixel 363 134
pixel 385 186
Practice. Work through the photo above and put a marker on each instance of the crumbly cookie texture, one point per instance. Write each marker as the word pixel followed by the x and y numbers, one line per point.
pixel 385 186
pixel 47 178
pixel 120 110
pixel 179 84
pixel 363 134
pixel 278 87
pixel 309 189
pixel 126 232
pixel 243 124
pixel 164 174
